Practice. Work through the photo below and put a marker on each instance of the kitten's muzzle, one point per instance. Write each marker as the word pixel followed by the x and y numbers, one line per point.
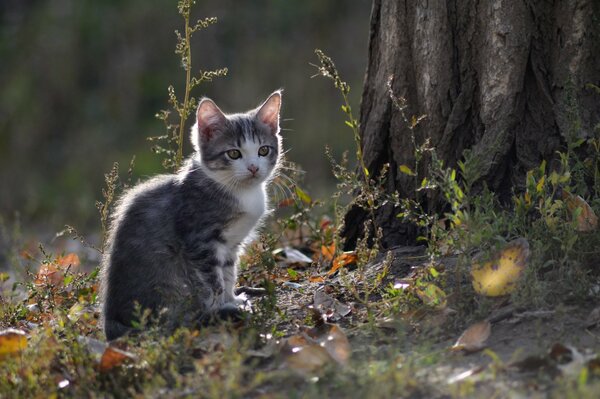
pixel 253 169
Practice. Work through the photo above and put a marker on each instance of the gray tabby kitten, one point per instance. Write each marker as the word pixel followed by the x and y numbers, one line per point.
pixel 174 240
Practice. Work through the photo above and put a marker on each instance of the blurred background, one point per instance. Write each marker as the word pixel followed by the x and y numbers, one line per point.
pixel 81 81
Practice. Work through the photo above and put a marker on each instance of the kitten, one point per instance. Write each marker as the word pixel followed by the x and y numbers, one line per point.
pixel 174 240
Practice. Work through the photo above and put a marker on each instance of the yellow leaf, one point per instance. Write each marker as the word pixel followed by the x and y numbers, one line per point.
pixel 499 275
pixel 303 196
pixel 540 184
pixel 586 220
pixel 12 341
pixel 473 338
pixel 406 170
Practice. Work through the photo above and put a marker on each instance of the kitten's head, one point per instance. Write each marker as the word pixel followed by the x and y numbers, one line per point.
pixel 239 150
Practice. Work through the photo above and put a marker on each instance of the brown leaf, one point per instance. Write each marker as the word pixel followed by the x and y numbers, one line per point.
pixel 68 260
pixel 316 279
pixel 113 357
pixel 304 357
pixel 286 202
pixel 334 340
pixel 48 273
pixel 473 338
pixel 328 251
pixel 586 220
pixel 342 260
pixel 12 341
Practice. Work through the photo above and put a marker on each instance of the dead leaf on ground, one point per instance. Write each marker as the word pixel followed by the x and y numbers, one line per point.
pixel 593 319
pixel 586 219
pixel 12 342
pixel 113 357
pixel 328 251
pixel 329 306
pixel 304 357
pixel 316 279
pixel 342 260
pixel 473 338
pixel 333 339
pixel 107 357
pixel 499 275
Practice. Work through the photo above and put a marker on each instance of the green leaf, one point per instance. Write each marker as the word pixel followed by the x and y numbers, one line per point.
pixel 303 196
pixel 406 170
pixel 292 273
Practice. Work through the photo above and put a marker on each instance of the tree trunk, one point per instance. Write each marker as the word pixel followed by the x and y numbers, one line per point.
pixel 506 79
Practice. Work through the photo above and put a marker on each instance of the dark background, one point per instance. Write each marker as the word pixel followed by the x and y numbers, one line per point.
pixel 81 81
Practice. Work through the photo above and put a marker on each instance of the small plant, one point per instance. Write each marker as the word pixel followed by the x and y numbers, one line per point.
pixel 182 107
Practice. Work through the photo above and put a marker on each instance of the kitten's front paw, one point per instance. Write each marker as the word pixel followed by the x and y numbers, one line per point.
pixel 240 299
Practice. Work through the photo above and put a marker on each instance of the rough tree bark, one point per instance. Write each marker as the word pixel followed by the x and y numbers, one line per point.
pixel 505 78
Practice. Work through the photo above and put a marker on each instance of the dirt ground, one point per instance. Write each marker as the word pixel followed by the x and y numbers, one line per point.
pixel 530 352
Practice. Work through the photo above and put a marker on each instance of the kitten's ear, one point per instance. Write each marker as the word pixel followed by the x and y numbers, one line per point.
pixel 268 113
pixel 209 120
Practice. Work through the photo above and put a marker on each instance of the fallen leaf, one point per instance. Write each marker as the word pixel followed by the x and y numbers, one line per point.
pixel 499 275
pixel 432 295
pixel 473 338
pixel 330 306
pixel 333 339
pixel 316 279
pixel 586 220
pixel 328 251
pixel 12 341
pixel 304 357
pixel 593 319
pixel 113 357
pixel 342 260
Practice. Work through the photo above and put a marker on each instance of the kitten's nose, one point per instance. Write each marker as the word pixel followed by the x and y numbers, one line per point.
pixel 253 169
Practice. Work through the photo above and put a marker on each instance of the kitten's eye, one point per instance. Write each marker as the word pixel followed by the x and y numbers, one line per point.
pixel 234 154
pixel 263 151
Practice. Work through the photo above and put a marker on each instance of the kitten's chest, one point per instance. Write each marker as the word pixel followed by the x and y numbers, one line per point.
pixel 252 207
